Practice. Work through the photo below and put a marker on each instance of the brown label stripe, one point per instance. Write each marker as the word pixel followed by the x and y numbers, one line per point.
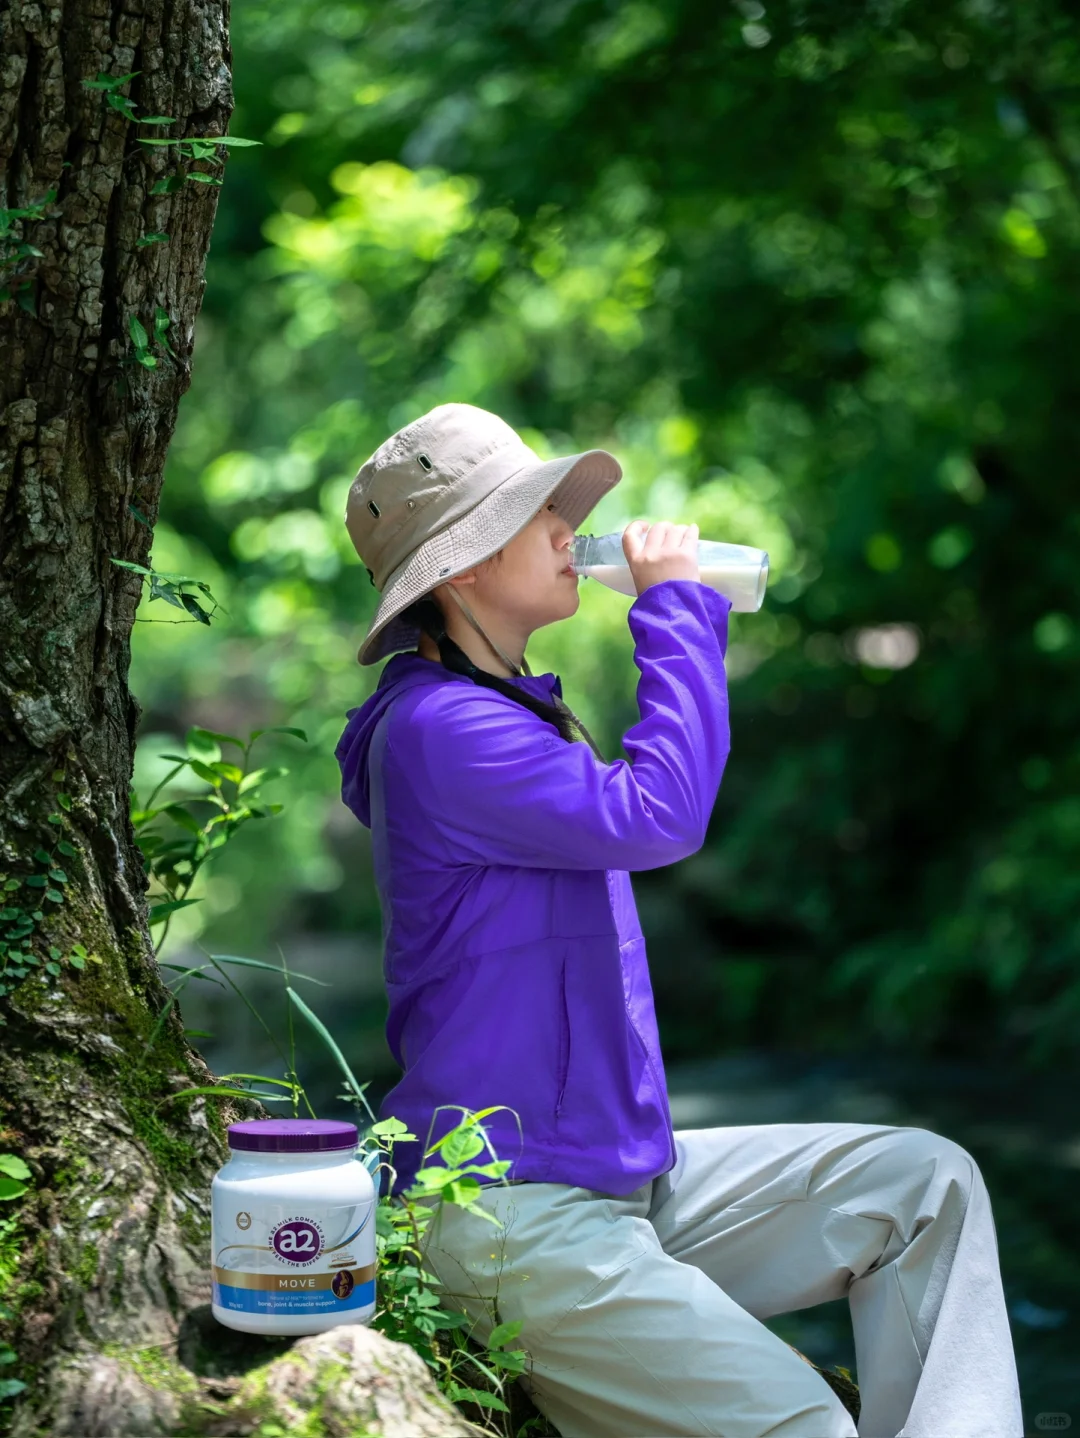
pixel 289 1282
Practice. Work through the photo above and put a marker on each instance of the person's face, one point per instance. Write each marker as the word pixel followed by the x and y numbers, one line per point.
pixel 528 583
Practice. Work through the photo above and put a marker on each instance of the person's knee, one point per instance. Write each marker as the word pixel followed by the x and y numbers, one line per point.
pixel 921 1148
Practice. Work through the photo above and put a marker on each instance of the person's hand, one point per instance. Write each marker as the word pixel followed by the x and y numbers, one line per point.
pixel 667 551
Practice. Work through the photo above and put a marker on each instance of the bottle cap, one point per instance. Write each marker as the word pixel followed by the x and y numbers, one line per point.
pixel 292 1135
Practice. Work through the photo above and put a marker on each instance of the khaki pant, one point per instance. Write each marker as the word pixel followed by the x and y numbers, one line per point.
pixel 643 1314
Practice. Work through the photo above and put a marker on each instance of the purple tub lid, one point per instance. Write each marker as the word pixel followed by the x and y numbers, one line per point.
pixel 292 1135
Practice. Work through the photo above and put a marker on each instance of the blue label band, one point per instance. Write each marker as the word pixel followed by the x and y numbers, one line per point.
pixel 272 1301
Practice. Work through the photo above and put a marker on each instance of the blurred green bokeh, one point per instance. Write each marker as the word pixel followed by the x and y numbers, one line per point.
pixel 814 275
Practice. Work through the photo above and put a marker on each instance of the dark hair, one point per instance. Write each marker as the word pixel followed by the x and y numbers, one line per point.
pixel 426 613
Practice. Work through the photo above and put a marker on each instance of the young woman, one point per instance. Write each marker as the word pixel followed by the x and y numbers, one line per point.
pixel 641 1262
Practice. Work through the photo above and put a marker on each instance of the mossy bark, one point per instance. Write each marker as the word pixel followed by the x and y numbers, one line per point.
pixel 109 1242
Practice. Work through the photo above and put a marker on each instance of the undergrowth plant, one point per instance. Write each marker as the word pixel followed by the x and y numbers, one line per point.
pixel 409 1307
pixel 229 794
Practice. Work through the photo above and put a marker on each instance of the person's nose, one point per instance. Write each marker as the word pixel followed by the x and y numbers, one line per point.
pixel 562 534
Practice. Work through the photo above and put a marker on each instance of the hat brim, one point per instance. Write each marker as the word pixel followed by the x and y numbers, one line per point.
pixel 581 481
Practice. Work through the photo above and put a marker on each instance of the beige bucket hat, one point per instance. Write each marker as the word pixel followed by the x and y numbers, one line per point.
pixel 446 492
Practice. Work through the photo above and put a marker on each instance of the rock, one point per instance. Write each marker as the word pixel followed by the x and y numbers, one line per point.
pixel 350 1382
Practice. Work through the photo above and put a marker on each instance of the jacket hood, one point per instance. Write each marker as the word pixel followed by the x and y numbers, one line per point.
pixel 402 672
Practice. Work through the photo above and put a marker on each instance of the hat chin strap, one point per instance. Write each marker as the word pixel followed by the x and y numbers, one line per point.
pixel 514 668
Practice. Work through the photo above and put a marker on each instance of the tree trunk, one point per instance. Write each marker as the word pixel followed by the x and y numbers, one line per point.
pixel 104 1278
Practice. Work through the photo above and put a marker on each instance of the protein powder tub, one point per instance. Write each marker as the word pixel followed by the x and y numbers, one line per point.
pixel 292 1228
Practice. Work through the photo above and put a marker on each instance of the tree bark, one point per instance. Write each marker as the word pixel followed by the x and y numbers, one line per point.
pixel 108 1243
pixel 104 1279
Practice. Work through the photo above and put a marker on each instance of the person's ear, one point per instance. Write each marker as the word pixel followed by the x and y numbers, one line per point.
pixel 469 577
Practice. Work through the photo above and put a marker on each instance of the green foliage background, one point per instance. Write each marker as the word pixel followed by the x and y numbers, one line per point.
pixel 812 273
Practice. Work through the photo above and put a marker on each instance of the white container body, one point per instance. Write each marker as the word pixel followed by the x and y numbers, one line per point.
pixel 292 1242
pixel 737 571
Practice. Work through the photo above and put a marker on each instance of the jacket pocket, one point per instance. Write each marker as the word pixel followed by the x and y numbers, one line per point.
pixel 564 1050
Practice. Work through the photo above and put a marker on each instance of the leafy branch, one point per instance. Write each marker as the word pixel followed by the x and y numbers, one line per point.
pixel 172 588
pixel 16 252
pixel 191 148
pixel 142 340
pixel 30 903
pixel 233 795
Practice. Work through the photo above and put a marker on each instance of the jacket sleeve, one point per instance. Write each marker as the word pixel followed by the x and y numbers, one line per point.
pixel 502 787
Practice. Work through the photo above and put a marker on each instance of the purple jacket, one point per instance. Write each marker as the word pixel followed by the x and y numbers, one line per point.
pixel 514 961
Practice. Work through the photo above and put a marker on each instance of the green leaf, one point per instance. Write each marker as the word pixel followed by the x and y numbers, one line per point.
pixel 458 1393
pixel 261 776
pixel 228 771
pixel 279 729
pixel 66 849
pixel 211 734
pixel 36 881
pixel 167 185
pixel 76 961
pixel 54 819
pixel 227 1093
pixel 198 1034
pixel 9 1387
pixel 121 104
pixel 203 744
pixel 161 588
pixel 435 1178
pixel 203 178
pixel 16 883
pixel 78 949
pixel 24 298
pixel 53 968
pixel 261 964
pixel 205 772
pixel 262 1078
pixel 327 1038
pixel 194 974
pixel 54 952
pixel 147 360
pixel 461 1145
pixel 502 1333
pixel 127 564
pixel 155 139
pixel 180 815
pixel 64 800
pixel 391 1128
pixel 158 120
pixel 13 1166
pixel 42 856
pixel 155 237
pixel 491 1170
pixel 194 608
pixel 58 876
pixel 139 338
pixel 236 141
pixel 161 328
pixel 54 896
pixel 109 82
pixel 160 912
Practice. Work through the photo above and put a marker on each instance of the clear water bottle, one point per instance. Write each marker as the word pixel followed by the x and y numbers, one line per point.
pixel 734 570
